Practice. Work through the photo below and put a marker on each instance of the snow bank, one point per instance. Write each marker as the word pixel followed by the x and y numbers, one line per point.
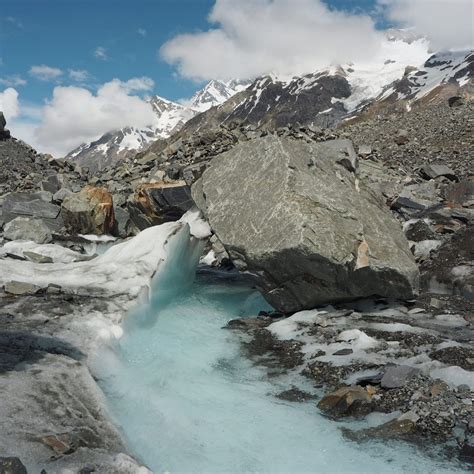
pixel 126 268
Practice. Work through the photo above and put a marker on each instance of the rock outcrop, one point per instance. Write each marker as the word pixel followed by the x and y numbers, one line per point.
pixel 27 228
pixel 295 215
pixel 89 211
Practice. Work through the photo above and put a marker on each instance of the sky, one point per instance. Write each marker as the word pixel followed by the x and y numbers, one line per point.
pixel 73 69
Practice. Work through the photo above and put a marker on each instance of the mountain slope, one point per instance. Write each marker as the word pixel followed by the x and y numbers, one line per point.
pixel 404 74
pixel 118 145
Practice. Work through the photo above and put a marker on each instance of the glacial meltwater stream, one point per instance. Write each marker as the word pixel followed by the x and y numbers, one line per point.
pixel 188 401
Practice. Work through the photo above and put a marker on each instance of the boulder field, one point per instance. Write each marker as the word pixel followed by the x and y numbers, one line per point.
pixel 296 216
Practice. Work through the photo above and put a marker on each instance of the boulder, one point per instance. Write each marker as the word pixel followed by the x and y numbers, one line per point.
pixel 436 171
pixel 346 401
pixel 396 376
pixel 27 228
pixel 156 203
pixel 12 466
pixel 89 211
pixel 37 205
pixel 4 133
pixel 20 288
pixel 292 214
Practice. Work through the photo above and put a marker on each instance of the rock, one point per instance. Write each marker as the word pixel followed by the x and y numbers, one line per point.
pixel 418 231
pixel 11 465
pixel 346 401
pixel 365 150
pixel 122 222
pixel 401 138
pixel 292 214
pixel 436 171
pixel 4 134
pixel 36 205
pixel 59 196
pixel 37 258
pixel 27 228
pixel 397 375
pixel 20 288
pixel 455 101
pixel 343 352
pixel 156 203
pixel 90 211
pixel 51 184
pixel 395 429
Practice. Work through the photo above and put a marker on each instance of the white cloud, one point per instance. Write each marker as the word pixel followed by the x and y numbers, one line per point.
pixel 101 53
pixel 447 23
pixel 141 32
pixel 12 81
pixel 9 103
pixel 45 73
pixel 139 84
pixel 79 75
pixel 75 115
pixel 254 37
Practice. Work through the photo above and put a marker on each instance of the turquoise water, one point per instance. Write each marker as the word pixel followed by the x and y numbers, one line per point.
pixel 188 402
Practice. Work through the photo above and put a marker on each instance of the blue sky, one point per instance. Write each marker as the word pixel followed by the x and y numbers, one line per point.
pixel 65 34
pixel 71 70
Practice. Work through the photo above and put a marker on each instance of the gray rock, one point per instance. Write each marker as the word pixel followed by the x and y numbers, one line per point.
pixel 122 222
pixel 11 465
pixel 36 205
pixel 397 375
pixel 20 288
pixel 59 196
pixel 365 150
pixel 293 215
pixel 436 171
pixel 27 228
pixel 51 184
pixel 37 258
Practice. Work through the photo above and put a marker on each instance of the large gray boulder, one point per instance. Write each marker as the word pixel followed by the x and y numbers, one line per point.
pixel 28 228
pixel 295 215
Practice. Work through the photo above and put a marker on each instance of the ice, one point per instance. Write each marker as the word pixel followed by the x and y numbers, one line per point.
pixel 198 227
pixel 454 376
pixel 289 328
pixel 126 268
pixel 58 253
pixel 358 339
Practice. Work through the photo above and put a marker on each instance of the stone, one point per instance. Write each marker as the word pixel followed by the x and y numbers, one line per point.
pixel 396 376
pixel 122 222
pixel 27 228
pixel 11 465
pixel 293 215
pixel 89 211
pixel 436 171
pixel 51 184
pixel 418 231
pixel 36 205
pixel 19 288
pixel 343 352
pixel 365 150
pixel 346 401
pixel 455 101
pixel 401 138
pixel 394 429
pixel 37 258
pixel 61 194
pixel 156 203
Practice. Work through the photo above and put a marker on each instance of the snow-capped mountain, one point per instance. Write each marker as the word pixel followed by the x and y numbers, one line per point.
pixel 216 93
pixel 404 72
pixel 170 117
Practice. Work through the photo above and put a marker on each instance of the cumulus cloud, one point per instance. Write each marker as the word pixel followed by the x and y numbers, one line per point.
pixel 446 23
pixel 254 37
pixel 45 73
pixel 12 81
pixel 76 115
pixel 9 103
pixel 101 53
pixel 79 75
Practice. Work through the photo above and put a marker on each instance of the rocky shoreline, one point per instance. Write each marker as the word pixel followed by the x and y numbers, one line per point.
pixel 376 356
